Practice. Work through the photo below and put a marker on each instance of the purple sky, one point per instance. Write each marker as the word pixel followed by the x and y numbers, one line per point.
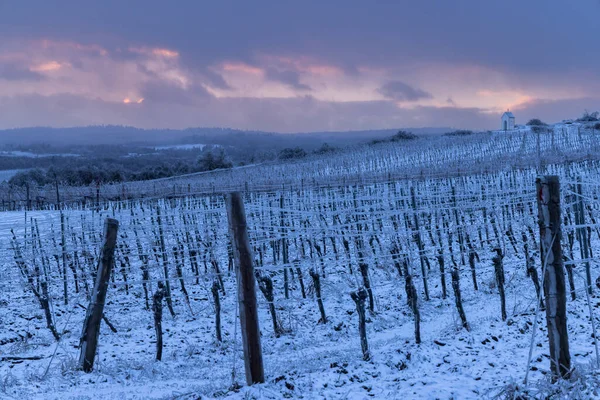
pixel 297 66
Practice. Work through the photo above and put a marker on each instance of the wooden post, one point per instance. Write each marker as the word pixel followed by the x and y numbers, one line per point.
pixel 91 325
pixel 548 199
pixel 246 287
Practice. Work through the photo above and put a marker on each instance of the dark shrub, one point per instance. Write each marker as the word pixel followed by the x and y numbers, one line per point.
pixel 292 153
pixel 536 122
pixel 400 136
pixel 325 149
pixel 460 132
pixel 209 161
pixel 403 135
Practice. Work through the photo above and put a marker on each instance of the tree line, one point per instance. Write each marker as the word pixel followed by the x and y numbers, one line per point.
pixel 86 172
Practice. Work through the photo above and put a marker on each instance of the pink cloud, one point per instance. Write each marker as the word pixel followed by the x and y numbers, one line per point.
pixel 233 66
pixel 48 66
pixel 155 51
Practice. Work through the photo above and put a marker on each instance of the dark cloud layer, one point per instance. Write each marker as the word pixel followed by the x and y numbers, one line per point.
pixel 400 91
pixel 547 45
pixel 519 35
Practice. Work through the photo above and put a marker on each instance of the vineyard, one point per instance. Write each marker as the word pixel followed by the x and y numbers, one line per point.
pixel 378 273
pixel 437 156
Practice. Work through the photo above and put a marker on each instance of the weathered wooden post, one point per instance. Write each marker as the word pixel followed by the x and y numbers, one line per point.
pixel 91 325
pixel 246 288
pixel 548 199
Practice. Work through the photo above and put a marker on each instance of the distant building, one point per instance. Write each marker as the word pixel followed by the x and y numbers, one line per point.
pixel 508 121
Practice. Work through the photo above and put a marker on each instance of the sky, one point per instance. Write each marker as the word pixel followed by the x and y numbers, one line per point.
pixel 295 66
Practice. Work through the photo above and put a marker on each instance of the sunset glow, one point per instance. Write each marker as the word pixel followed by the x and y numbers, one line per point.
pixel 47 66
pixel 241 67
pixel 166 53
pixel 127 100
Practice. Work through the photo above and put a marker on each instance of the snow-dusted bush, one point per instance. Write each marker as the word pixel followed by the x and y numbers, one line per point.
pixel 536 122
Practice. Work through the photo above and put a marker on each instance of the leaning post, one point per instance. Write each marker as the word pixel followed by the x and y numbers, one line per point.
pixel 548 199
pixel 95 311
pixel 246 289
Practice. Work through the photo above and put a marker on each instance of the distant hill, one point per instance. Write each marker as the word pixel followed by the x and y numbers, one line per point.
pixel 116 135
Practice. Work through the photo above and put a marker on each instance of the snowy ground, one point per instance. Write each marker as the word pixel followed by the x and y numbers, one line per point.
pixel 312 361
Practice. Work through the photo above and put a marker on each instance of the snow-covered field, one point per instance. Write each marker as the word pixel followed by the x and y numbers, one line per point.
pixel 430 157
pixel 327 230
